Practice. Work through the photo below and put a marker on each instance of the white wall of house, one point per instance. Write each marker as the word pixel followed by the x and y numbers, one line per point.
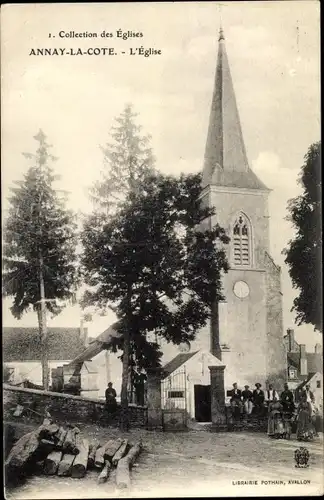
pixel 31 370
pixel 316 386
pixel 109 370
pixel 196 373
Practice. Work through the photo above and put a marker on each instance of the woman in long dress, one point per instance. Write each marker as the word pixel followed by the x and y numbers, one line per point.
pixel 278 427
pixel 305 427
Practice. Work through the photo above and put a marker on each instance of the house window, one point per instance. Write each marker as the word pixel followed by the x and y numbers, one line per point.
pixel 292 373
pixel 176 394
pixel 241 241
pixel 318 384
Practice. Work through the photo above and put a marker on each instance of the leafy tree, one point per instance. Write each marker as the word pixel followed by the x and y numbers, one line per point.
pixel 128 159
pixel 39 246
pixel 154 266
pixel 304 252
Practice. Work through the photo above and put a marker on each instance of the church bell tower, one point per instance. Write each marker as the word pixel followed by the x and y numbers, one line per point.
pixel 246 330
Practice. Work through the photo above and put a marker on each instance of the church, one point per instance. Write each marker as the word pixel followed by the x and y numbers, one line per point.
pixel 245 332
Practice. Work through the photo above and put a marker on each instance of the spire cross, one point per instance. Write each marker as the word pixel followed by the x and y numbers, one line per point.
pixel 221 32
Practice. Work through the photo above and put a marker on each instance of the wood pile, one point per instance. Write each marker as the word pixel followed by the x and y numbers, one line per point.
pixel 55 450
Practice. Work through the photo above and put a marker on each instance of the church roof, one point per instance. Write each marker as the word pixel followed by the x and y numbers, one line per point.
pixel 176 362
pixel 226 162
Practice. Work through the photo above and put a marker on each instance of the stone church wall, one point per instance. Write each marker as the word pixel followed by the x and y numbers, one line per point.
pixel 277 358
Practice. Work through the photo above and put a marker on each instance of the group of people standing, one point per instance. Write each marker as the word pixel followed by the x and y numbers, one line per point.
pixel 281 410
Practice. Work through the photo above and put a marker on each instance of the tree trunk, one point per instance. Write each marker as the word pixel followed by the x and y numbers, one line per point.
pixel 104 474
pixel 65 465
pixel 112 448
pixel 92 455
pixel 124 417
pixel 70 442
pixel 60 437
pixel 100 454
pixel 120 453
pixel 27 446
pixel 80 464
pixel 41 312
pixel 52 462
pixel 124 466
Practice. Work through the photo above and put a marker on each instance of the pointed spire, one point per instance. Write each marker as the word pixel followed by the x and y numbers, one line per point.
pixel 221 34
pixel 226 163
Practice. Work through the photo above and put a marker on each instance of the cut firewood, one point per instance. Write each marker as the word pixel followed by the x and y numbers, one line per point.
pixel 80 463
pixel 125 464
pixel 100 454
pixel 120 453
pixel 51 462
pixel 27 446
pixel 92 455
pixel 60 436
pixel 65 465
pixel 104 474
pixel 134 452
pixel 48 431
pixel 69 445
pixel 112 448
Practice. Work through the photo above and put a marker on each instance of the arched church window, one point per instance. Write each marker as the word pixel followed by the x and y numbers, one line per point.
pixel 241 241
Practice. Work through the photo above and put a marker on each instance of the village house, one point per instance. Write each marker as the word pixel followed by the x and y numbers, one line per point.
pixel 22 351
pixel 304 367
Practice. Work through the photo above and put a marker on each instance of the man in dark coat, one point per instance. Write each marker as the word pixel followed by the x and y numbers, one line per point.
pixel 247 396
pixel 258 399
pixel 287 400
pixel 236 400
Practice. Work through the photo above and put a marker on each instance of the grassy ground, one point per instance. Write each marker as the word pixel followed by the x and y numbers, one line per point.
pixel 191 463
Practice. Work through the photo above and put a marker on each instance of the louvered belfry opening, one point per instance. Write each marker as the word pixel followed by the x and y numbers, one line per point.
pixel 241 242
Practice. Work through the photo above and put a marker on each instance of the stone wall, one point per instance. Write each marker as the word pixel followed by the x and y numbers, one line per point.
pixel 276 351
pixel 65 407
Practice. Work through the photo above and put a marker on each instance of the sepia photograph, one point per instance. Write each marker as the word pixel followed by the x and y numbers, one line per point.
pixel 162 331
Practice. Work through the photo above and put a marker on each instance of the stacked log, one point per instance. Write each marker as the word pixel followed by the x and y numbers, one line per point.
pixel 60 436
pixel 52 462
pixel 63 452
pixel 80 463
pixel 65 465
pixel 125 464
pixel 70 442
pixel 120 453
pixel 92 455
pixel 26 447
pixel 112 448
pixel 100 455
pixel 104 474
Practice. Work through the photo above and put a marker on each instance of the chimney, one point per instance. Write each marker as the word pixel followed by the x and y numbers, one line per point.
pixel 83 333
pixel 291 339
pixel 303 360
pixel 318 348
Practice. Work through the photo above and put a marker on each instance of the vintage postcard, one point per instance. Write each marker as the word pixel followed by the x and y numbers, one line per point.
pixel 161 215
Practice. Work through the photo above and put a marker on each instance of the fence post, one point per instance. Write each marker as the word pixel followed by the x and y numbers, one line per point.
pixel 154 409
pixel 218 397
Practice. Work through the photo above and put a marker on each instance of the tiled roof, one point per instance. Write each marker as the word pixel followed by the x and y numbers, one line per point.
pixel 23 344
pixel 176 362
pixel 314 361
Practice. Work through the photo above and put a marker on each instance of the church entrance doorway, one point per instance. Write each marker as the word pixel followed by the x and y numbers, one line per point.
pixel 202 403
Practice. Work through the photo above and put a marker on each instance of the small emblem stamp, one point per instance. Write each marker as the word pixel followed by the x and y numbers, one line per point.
pixel 301 457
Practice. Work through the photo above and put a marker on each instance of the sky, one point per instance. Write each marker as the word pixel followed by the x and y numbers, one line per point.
pixel 273 50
